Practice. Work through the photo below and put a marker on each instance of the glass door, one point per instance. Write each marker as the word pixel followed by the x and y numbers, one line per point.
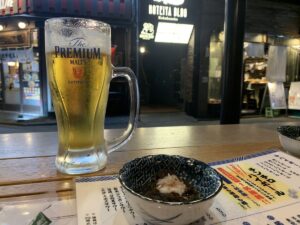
pixel 11 93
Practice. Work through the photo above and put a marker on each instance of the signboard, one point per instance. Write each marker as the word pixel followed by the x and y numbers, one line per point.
pixel 9 7
pixel 6 4
pixel 165 20
pixel 173 33
pixel 277 95
pixel 168 11
pixel 294 96
pixel 21 56
pixel 15 39
pixel 147 32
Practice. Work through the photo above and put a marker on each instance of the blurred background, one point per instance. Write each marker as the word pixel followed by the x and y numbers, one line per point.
pixel 178 50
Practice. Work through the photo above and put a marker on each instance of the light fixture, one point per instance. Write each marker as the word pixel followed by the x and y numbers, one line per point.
pixel 1 27
pixel 296 47
pixel 246 44
pixel 11 63
pixel 173 33
pixel 22 25
pixel 221 36
pixel 142 50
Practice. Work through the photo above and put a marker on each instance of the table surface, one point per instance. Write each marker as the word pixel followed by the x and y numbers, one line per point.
pixel 27 168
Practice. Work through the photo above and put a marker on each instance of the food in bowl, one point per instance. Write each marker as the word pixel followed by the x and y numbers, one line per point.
pixel 170 188
pixel 289 137
pixel 166 189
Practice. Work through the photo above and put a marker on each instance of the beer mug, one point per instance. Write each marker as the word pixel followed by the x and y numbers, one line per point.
pixel 78 55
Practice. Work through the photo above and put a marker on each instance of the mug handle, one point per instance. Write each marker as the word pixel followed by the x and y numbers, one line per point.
pixel 127 73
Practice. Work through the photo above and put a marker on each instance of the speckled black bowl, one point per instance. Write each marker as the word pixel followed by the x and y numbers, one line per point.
pixel 289 139
pixel 140 172
pixel 292 132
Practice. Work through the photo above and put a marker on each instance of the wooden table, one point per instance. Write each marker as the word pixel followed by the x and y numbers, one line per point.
pixel 27 169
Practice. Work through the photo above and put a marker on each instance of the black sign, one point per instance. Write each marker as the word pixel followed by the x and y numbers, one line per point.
pixel 163 12
pixel 14 39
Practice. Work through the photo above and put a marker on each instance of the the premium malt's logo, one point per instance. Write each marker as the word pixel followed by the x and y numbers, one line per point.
pixel 79 54
pixel 87 53
pixel 78 72
pixel 78 42
pixel 78 49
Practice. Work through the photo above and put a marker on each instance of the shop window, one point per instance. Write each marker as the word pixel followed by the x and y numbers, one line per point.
pixel 215 68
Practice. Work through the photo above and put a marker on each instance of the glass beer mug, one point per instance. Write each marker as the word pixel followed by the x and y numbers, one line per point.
pixel 78 54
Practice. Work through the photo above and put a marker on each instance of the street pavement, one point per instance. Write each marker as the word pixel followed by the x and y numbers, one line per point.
pixel 153 119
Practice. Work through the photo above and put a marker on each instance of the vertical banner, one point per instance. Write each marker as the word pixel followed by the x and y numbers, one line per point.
pixel 64 5
pixel 100 7
pixel 76 6
pixel 122 7
pixel 111 6
pixel 51 5
pixel 277 60
pixel 28 7
pixel 88 6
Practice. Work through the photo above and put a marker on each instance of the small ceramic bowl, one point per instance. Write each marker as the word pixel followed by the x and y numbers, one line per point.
pixel 289 137
pixel 140 172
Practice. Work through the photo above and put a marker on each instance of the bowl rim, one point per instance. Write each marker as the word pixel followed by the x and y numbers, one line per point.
pixel 165 202
pixel 285 126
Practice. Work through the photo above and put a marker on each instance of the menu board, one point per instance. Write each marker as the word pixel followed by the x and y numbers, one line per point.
pixel 260 189
pixel 294 96
pixel 277 95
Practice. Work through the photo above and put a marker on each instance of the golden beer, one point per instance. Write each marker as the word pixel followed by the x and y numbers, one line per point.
pixel 79 73
pixel 80 89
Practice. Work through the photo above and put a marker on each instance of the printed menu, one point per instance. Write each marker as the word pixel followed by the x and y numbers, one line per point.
pixel 258 189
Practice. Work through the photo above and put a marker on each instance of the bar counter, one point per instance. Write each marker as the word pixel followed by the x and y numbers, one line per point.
pixel 27 160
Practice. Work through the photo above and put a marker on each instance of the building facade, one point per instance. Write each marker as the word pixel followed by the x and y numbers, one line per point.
pixel 23 84
pixel 182 57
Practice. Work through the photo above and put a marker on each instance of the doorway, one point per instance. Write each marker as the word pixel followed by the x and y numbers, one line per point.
pixel 20 87
pixel 10 86
pixel 160 75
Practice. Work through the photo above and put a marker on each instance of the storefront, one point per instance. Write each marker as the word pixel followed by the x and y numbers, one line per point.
pixel 20 84
pixel 23 84
pixel 181 54
pixel 20 81
pixel 166 31
pixel 271 54
pixel 267 59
